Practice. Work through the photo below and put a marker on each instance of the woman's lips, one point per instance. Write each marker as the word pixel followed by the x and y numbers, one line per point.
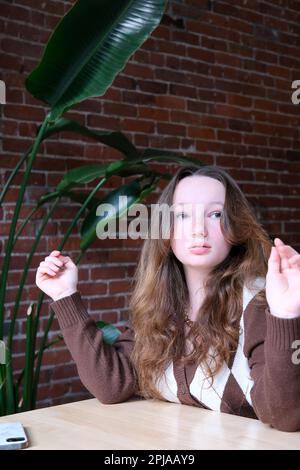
pixel 199 250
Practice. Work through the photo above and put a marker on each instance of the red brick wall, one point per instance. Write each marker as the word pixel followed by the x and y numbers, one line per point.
pixel 213 81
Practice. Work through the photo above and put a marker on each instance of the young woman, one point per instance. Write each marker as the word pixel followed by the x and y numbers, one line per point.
pixel 214 311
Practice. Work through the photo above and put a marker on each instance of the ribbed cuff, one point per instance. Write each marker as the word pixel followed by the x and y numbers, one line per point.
pixel 282 332
pixel 69 310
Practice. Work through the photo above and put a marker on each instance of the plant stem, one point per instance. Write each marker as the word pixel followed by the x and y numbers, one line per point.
pixel 20 230
pixel 41 201
pixel 29 358
pixel 13 174
pixel 2 385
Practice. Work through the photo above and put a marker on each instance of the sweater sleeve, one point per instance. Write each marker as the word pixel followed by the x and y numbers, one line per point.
pixel 270 344
pixel 105 370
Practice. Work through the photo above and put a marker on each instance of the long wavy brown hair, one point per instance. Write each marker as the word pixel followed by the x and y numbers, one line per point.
pixel 160 296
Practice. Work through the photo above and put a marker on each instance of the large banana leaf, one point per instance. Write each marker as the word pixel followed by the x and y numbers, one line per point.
pixel 126 167
pixel 87 173
pixel 135 191
pixel 157 154
pixel 89 47
pixel 113 139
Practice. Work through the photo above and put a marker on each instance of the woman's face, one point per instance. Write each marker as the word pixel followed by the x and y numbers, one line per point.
pixel 198 204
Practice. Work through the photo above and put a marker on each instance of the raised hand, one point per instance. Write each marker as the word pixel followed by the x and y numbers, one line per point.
pixel 283 281
pixel 57 276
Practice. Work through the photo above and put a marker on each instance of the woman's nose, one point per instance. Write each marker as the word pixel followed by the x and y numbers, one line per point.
pixel 199 228
pixel 199 233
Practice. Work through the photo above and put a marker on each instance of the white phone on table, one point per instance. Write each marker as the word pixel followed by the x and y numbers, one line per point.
pixel 12 436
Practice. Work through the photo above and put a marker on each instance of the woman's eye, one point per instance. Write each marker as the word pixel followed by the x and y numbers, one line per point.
pixel 217 213
pixel 181 215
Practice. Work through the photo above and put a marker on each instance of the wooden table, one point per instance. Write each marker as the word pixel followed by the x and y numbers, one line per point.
pixel 144 424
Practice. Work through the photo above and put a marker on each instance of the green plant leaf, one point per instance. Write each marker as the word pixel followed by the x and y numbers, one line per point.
pixel 110 332
pixel 113 139
pixel 94 224
pixel 87 173
pixel 89 47
pixel 157 154
pixel 126 167
pixel 83 175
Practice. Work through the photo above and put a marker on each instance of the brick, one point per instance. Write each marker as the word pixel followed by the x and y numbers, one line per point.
pixel 229 136
pixel 171 129
pixel 201 133
pixel 155 87
pixel 256 163
pixel 116 287
pixel 103 122
pixel 214 44
pixel 56 389
pixel 95 288
pixel 10 128
pixel 292 227
pixel 138 98
pixel 57 356
pixel 265 56
pixel 154 114
pixel 108 303
pixel 187 118
pixel 181 90
pixel 21 112
pixel 185 37
pixel 171 102
pixel 123 257
pixel 14 95
pixel 201 54
pixel 167 47
pixel 137 70
pixel 255 140
pixel 138 125
pixel 120 109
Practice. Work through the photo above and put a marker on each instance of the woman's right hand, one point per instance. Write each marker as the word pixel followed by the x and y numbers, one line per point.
pixel 57 276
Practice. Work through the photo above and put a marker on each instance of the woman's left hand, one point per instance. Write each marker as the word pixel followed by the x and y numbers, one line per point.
pixel 283 281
